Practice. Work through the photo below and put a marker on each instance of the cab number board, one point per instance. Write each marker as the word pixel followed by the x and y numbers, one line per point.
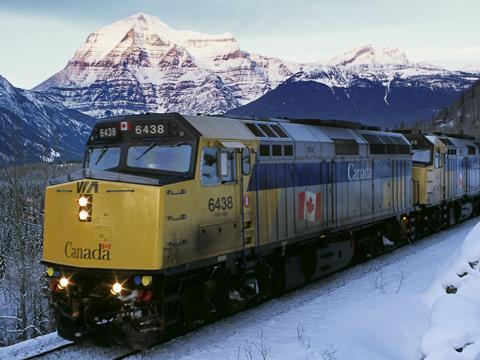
pixel 150 130
pixel 108 132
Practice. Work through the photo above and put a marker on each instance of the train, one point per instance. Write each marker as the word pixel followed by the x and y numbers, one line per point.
pixel 175 220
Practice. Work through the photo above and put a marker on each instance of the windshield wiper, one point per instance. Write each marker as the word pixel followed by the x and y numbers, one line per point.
pixel 104 151
pixel 146 151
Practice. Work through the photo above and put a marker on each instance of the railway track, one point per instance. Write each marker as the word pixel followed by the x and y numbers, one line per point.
pixel 83 350
pixel 50 351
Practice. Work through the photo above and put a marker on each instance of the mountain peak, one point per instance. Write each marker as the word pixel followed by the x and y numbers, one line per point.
pixel 151 35
pixel 51 130
pixel 369 55
pixel 143 16
pixel 473 68
pixel 140 64
pixel 148 20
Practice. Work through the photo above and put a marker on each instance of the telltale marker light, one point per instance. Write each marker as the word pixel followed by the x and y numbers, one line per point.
pixel 146 280
pixel 50 271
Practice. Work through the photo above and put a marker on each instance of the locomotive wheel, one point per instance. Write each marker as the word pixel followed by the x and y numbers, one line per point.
pixel 309 262
pixel 264 274
pixel 127 335
pixel 67 327
pixel 193 304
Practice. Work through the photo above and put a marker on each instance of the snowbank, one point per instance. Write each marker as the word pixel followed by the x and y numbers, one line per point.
pixel 374 311
pixel 454 296
pixel 33 347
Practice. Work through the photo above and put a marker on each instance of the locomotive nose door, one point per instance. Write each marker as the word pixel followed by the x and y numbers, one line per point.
pixel 442 164
pixel 241 169
pixel 246 208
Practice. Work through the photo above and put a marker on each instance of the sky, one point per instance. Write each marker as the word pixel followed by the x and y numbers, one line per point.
pixel 39 37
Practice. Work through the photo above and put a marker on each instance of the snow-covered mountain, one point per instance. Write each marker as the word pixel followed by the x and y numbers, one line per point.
pixel 140 64
pixel 474 68
pixel 374 86
pixel 37 127
pixel 369 55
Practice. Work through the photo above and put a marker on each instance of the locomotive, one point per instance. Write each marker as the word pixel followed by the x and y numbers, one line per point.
pixel 174 221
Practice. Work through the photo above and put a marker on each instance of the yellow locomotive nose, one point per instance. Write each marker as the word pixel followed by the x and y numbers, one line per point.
pixel 102 224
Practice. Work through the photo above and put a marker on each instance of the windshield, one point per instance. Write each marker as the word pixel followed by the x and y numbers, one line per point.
pixel 103 158
pixel 422 156
pixel 174 158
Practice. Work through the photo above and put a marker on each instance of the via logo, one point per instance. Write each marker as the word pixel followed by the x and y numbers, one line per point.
pixel 87 187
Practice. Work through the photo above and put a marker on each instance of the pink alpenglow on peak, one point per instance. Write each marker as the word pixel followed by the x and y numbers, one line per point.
pixel 369 55
pixel 140 64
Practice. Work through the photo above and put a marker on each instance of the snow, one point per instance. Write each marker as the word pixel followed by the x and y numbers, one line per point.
pixel 43 117
pixel 473 68
pixel 379 65
pixel 100 43
pixel 372 311
pixel 392 307
pixel 454 296
pixel 142 55
pixel 418 74
pixel 369 55
pixel 32 347
pixel 111 38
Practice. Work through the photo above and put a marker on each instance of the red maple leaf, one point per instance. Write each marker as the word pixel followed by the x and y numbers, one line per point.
pixel 309 205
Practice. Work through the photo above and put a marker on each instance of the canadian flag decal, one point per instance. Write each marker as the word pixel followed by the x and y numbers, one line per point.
pixel 309 206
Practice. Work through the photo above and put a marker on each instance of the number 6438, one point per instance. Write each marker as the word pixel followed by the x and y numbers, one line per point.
pixel 220 203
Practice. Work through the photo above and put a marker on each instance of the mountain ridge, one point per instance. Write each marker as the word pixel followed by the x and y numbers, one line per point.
pixel 140 64
pixel 37 127
pixel 389 96
pixel 164 69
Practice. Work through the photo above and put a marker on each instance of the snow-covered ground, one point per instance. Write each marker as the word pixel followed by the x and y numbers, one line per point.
pixel 32 347
pixel 454 295
pixel 373 311
pixel 378 310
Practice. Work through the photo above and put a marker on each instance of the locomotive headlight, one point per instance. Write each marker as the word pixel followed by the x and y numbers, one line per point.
pixel 116 288
pixel 85 207
pixel 63 282
pixel 83 201
pixel 83 215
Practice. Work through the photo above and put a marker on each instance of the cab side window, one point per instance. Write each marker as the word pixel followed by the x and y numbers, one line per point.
pixel 218 166
pixel 436 162
pixel 209 166
pixel 227 165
